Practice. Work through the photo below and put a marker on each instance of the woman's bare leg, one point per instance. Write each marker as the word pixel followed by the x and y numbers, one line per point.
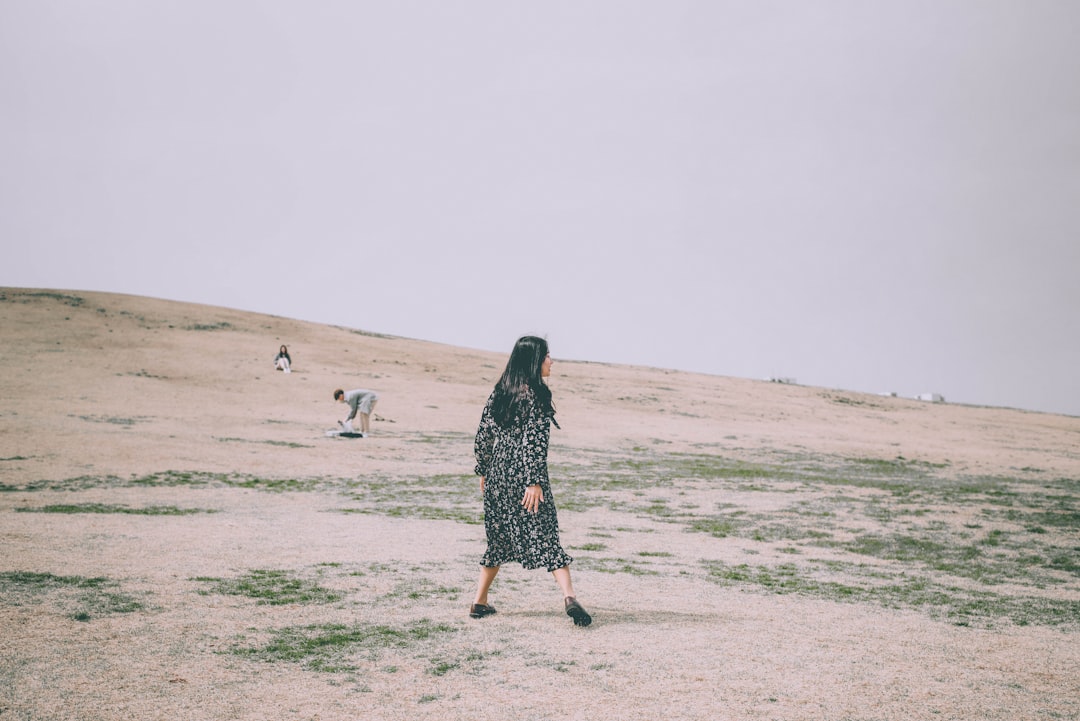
pixel 562 577
pixel 487 575
pixel 573 609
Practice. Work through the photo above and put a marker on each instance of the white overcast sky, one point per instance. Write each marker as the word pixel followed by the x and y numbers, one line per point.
pixel 867 195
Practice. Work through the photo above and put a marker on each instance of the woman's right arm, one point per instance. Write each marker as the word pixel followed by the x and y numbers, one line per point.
pixel 537 434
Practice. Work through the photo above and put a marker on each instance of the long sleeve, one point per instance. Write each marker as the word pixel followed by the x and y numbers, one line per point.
pixel 537 434
pixel 484 444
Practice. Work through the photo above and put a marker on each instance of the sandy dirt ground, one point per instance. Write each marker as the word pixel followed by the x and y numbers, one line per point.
pixel 749 550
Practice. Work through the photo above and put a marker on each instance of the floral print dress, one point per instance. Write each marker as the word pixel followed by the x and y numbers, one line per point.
pixel 512 459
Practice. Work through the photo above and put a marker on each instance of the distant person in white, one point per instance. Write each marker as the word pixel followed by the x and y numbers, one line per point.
pixel 282 361
pixel 360 401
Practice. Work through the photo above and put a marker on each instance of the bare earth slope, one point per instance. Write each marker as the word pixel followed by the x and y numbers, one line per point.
pixel 180 539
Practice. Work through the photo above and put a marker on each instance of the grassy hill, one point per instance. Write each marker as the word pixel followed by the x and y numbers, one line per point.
pixel 181 539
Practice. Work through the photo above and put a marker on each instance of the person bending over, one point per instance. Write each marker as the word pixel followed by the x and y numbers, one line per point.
pixel 360 401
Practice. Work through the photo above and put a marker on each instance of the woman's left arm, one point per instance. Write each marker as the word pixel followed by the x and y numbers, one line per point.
pixel 484 443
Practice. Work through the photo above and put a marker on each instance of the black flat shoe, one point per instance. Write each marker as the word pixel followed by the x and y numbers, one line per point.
pixel 479 610
pixel 575 611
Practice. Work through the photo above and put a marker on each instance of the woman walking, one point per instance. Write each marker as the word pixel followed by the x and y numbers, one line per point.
pixel 511 459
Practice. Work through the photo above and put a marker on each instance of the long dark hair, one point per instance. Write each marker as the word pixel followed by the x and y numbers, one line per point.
pixel 520 379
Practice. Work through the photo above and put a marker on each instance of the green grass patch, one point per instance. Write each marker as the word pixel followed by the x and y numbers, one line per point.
pixel 426 512
pixel 332 648
pixel 190 479
pixel 73 301
pixel 716 526
pixel 1062 514
pixel 419 588
pixel 448 438
pixel 81 598
pixel 441 667
pixel 282 444
pixel 142 373
pixel 961 605
pixel 893 509
pixel 370 334
pixel 114 420
pixel 270 587
pixel 590 547
pixel 446 497
pixel 604 478
pixel 995 557
pixel 220 325
pixel 112 508
pixel 615 565
pixel 453 497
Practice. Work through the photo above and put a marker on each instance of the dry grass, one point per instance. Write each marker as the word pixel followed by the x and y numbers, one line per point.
pixel 182 541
